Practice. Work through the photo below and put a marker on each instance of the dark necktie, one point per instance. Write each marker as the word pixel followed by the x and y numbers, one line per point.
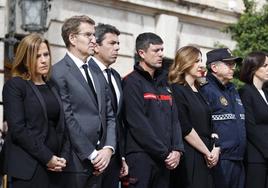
pixel 114 98
pixel 89 81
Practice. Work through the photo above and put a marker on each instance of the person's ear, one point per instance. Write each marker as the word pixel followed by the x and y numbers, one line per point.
pixel 214 67
pixel 141 53
pixel 97 48
pixel 72 39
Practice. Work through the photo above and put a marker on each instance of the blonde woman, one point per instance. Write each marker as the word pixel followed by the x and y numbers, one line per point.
pixel 195 119
pixel 34 116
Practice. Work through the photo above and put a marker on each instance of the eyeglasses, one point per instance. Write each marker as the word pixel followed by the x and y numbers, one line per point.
pixel 86 34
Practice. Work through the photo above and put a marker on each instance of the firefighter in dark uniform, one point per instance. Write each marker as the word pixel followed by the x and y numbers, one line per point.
pixel 227 117
pixel 153 135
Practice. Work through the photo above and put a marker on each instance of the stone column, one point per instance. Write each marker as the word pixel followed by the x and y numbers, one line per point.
pixel 166 28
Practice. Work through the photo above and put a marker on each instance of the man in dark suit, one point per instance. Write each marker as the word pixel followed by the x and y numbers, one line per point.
pixel 106 52
pixel 89 116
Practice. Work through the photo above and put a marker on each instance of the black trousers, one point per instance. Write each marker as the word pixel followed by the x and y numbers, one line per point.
pixel 229 174
pixel 256 175
pixel 148 173
pixel 41 179
pixel 80 180
pixel 110 178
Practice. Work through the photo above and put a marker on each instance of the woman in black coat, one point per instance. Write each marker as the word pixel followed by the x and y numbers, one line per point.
pixel 34 115
pixel 195 119
pixel 254 72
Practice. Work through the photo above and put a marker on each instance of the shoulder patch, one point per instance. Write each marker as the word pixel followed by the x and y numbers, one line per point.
pixel 223 101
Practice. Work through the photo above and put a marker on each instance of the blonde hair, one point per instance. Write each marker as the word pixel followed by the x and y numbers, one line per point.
pixel 24 65
pixel 184 60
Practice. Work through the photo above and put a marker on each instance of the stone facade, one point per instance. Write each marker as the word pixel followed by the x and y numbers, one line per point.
pixel 178 22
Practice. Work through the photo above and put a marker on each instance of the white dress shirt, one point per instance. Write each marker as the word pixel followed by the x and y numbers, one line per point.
pixel 103 67
pixel 78 62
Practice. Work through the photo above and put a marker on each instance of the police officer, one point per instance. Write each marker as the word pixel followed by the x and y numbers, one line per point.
pixel 227 118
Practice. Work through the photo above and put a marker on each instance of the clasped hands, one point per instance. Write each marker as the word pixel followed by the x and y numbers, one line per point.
pixel 212 157
pixel 56 164
pixel 102 160
pixel 173 160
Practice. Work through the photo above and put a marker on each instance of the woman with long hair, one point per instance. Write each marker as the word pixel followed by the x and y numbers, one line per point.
pixel 254 96
pixel 34 115
pixel 195 119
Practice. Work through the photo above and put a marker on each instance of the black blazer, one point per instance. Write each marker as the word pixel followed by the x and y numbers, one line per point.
pixel 119 125
pixel 26 115
pixel 256 117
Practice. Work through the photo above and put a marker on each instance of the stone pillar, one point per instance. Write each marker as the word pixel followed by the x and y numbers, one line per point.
pixel 166 28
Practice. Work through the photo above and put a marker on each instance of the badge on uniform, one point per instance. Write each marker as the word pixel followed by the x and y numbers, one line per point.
pixel 229 51
pixel 223 101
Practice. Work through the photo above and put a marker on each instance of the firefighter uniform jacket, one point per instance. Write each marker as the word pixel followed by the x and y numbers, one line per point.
pixel 150 115
pixel 228 117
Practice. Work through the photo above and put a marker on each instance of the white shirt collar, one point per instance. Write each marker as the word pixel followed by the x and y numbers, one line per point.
pixel 76 60
pixel 100 64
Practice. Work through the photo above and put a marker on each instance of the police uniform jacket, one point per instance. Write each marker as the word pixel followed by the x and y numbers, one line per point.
pixel 227 117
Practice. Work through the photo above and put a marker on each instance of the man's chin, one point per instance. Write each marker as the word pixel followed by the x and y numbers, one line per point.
pixel 230 79
pixel 158 66
pixel 91 52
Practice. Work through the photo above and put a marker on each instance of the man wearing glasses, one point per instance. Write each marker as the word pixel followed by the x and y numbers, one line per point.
pixel 91 135
pixel 227 118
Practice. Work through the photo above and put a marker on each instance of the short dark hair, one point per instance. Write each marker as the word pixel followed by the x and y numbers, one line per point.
pixel 101 29
pixel 144 40
pixel 251 64
pixel 71 25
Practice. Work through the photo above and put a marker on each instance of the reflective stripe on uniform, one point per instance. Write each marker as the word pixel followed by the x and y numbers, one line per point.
pixel 223 117
pixel 153 96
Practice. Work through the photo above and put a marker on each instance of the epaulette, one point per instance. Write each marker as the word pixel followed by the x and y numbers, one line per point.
pixel 203 83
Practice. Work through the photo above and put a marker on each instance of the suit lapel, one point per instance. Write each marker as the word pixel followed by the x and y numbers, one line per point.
pixel 78 75
pixel 255 90
pixel 95 76
pixel 96 69
pixel 118 83
pixel 265 93
pixel 40 98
